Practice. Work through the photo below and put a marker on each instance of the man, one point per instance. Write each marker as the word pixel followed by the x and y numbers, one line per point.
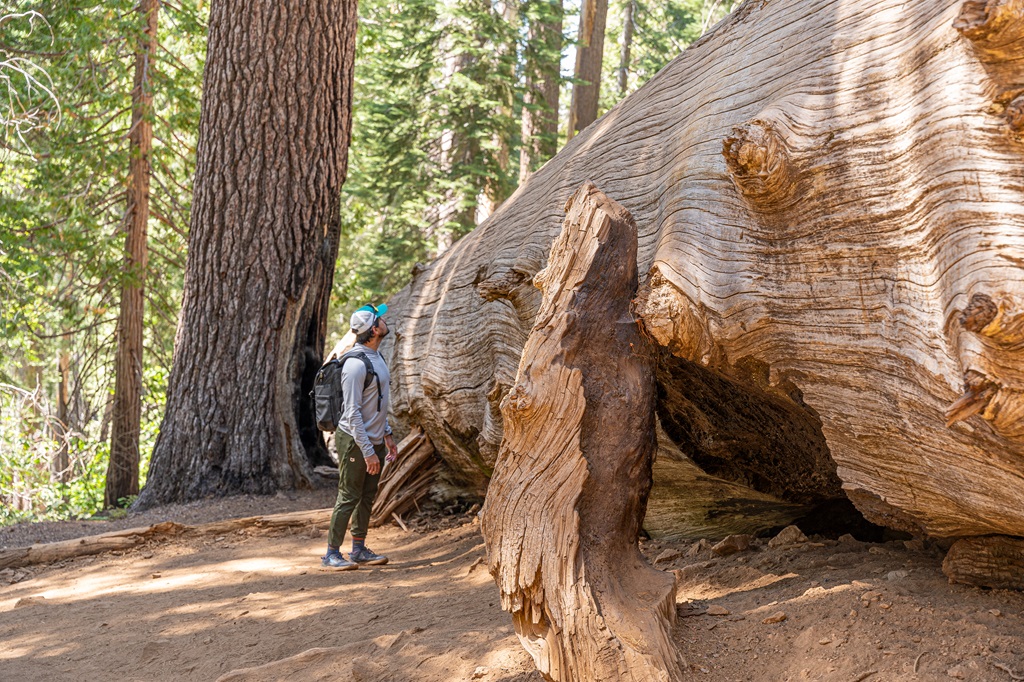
pixel 365 419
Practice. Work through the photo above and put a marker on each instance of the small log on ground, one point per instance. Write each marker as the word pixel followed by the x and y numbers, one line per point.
pixel 132 537
pixel 573 474
pixel 406 480
pixel 991 561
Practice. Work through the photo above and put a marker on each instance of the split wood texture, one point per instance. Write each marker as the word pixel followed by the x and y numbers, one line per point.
pixel 406 480
pixel 831 220
pixel 992 561
pixel 563 511
pixel 132 537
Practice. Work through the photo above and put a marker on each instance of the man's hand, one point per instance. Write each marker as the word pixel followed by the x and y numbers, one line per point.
pixel 392 448
pixel 373 465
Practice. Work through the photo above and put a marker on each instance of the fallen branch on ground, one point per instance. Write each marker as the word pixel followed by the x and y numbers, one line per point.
pixel 132 537
pixel 407 479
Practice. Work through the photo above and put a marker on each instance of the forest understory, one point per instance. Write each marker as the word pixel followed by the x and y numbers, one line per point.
pixel 255 605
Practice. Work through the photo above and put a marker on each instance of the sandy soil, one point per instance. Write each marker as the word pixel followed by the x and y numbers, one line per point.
pixel 254 605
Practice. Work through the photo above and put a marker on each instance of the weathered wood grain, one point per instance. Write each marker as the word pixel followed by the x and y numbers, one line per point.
pixel 563 511
pixel 820 188
pixel 992 561
pixel 407 479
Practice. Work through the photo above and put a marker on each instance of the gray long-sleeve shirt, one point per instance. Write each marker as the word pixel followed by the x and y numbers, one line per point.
pixel 361 419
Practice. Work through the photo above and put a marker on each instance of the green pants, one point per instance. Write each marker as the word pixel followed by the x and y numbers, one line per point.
pixel 356 490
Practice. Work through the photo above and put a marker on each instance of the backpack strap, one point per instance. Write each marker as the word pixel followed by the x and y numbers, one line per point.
pixel 371 374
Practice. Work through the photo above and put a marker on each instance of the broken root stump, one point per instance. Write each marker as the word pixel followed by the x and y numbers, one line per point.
pixel 573 473
pixel 406 480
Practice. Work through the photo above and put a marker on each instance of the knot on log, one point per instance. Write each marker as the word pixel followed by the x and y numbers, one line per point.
pixel 996 30
pixel 759 160
pixel 999 404
pixel 1001 322
pixel 978 393
pixel 991 345
pixel 1015 116
pixel 984 20
pixel 518 399
pixel 675 322
pixel 501 284
pixel 979 313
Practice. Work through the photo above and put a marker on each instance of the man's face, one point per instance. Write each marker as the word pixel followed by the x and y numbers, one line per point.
pixel 382 328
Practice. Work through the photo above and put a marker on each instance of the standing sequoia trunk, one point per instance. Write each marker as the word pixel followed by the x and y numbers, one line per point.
pixel 540 93
pixel 123 466
pixel 625 45
pixel 273 144
pixel 832 244
pixel 586 91
pixel 563 511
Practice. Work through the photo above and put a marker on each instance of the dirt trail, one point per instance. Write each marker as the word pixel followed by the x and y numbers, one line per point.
pixel 196 610
pixel 254 605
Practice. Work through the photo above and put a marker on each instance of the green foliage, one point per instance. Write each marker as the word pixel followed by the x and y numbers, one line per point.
pixel 661 31
pixel 439 88
pixel 62 202
pixel 27 100
pixel 435 122
pixel 439 95
pixel 29 439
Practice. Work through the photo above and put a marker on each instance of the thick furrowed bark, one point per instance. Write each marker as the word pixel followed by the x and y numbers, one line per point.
pixel 271 161
pixel 564 508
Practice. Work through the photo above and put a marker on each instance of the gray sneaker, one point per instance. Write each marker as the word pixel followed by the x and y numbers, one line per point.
pixel 366 556
pixel 335 561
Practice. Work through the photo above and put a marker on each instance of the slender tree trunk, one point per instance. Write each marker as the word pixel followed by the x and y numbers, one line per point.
pixel 627 43
pixel 60 464
pixel 271 160
pixel 458 208
pixel 540 99
pixel 589 53
pixel 498 189
pixel 123 467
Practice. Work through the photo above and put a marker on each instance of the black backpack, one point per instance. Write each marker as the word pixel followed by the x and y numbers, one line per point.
pixel 328 401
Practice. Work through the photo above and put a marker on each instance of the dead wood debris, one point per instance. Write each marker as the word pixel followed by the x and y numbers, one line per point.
pixel 407 480
pixel 121 540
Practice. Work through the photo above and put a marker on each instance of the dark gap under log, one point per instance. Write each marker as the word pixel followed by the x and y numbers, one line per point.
pixel 763 455
pixel 764 439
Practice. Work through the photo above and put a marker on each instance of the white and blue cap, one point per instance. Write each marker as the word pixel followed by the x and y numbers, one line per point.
pixel 366 317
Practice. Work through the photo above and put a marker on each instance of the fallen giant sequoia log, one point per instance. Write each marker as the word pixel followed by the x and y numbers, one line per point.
pixel 831 214
pixel 563 510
